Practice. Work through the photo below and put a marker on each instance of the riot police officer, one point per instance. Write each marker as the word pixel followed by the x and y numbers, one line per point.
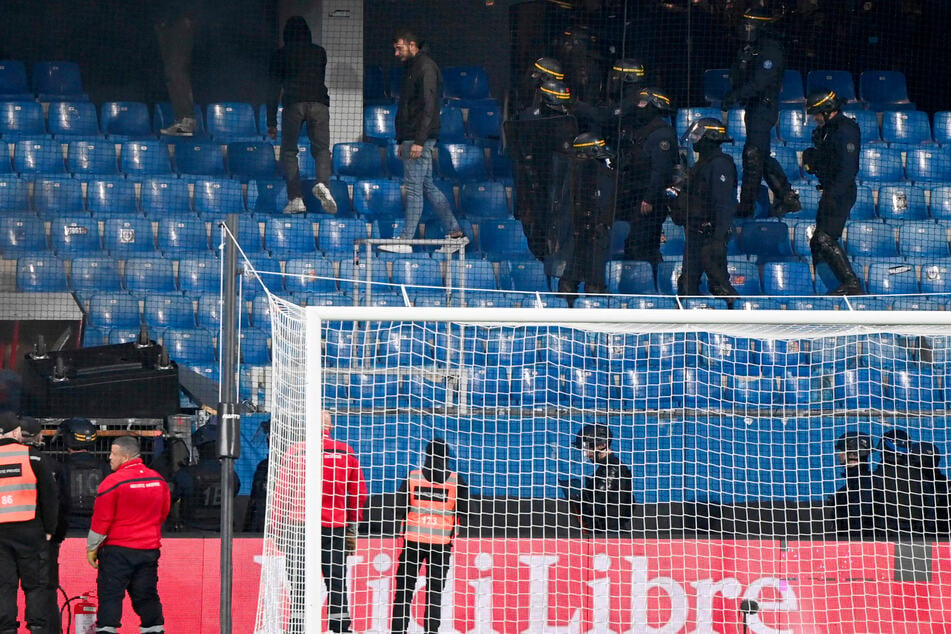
pixel 624 81
pixel 257 499
pixel 852 505
pixel 756 77
pixel 646 158
pixel 197 487
pixel 834 159
pixel 926 468
pixel 81 470
pixel 706 210
pixel 604 502
pixel 583 211
pixel 542 70
pixel 582 62
pixel 898 497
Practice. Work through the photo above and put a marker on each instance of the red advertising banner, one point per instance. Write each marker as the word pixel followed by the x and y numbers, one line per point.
pixel 592 586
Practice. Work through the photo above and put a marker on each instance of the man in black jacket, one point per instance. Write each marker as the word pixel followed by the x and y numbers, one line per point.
pixel 417 129
pixel 851 507
pixel 297 70
pixel 28 517
pixel 604 500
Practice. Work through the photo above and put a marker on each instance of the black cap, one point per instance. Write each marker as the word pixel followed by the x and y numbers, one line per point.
pixel 30 426
pixel 8 422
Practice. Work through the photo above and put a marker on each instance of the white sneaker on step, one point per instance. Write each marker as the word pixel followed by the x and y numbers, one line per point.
pixel 295 206
pixel 322 193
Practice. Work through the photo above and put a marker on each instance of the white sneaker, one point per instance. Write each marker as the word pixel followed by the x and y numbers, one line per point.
pixel 183 127
pixel 322 193
pixel 396 248
pixel 295 206
pixel 456 246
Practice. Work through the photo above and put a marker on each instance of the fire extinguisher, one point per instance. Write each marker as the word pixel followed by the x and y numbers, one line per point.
pixel 84 614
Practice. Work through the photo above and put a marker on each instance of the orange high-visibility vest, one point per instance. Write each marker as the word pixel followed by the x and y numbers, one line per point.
pixel 17 484
pixel 431 516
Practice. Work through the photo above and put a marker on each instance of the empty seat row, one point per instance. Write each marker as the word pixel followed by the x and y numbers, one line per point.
pixel 47 81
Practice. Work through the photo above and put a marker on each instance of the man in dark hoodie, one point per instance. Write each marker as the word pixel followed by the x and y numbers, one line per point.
pixel 851 507
pixel 432 498
pixel 298 70
pixel 417 128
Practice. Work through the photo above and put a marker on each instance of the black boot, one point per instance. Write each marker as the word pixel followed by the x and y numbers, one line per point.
pixel 785 198
pixel 788 203
pixel 825 249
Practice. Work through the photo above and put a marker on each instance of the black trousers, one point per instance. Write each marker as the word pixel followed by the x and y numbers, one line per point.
pixel 414 555
pixel 24 561
pixel 334 568
pixel 131 570
pixel 54 621
pixel 176 40
pixel 317 117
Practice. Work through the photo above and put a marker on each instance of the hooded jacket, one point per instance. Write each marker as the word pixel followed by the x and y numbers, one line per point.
pixel 298 69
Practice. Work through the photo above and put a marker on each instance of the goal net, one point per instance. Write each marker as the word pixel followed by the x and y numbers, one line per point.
pixel 616 471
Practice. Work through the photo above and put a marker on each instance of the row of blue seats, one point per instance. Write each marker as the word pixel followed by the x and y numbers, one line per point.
pixel 879 90
pixel 48 81
pixel 481 125
pixel 467 85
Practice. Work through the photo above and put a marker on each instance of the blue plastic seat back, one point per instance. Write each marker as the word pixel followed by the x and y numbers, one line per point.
pixel 200 158
pixel 144 275
pixel 267 196
pixel 165 195
pixel 38 156
pixel 337 235
pixel 929 164
pixel 57 195
pixel 923 239
pixel 940 202
pixel 483 199
pixel 871 238
pixel 169 310
pixel 114 195
pixel 795 128
pixel 942 127
pixel 114 310
pixel 355 161
pixel 217 197
pixel 40 272
pixel 452 125
pixel 374 83
pixel 181 234
pixel 379 124
pixel 736 125
pixel 884 90
pixel 231 121
pixel 144 157
pixel 471 274
pixel 57 79
pixel 75 235
pixel 744 276
pixel 465 82
pixel 485 123
pixel 13 83
pixel 189 345
pixel 840 81
pixel 21 118
pixel 253 347
pixel 716 84
pixel 906 127
pixel 90 274
pixel 128 236
pixel 310 274
pixel 125 119
pixel 503 239
pixel 878 163
pixel 628 277
pixel 787 278
pixel 92 158
pixel 462 162
pixel 377 199
pixel 251 160
pixel 886 278
pixel 792 92
pixel 902 202
pixel 788 160
pixel 767 239
pixel 73 118
pixel 418 272
pixel 520 274
pixel 21 233
pixel 14 193
pixel 289 235
pixel 936 278
pixel 199 274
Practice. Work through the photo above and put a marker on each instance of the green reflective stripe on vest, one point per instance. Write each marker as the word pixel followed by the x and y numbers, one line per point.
pixel 427 530
pixel 23 508
pixel 428 511
pixel 16 487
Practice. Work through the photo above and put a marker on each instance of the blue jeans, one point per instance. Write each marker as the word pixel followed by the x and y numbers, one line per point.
pixel 418 179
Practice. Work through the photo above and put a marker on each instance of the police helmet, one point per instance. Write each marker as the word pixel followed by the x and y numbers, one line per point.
pixel 547 68
pixel 628 71
pixel 755 20
pixel 555 93
pixel 593 436
pixel 654 97
pixel 822 101
pixel 706 128
pixel 854 441
pixel 78 433
pixel 590 144
pixel 207 433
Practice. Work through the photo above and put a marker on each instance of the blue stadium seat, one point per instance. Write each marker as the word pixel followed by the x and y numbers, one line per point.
pixel 923 239
pixel 787 278
pixel 68 119
pixel 929 165
pixel 356 161
pixel 251 160
pixel 200 158
pixel 471 274
pixel 377 199
pixel 620 230
pixel 199 273
pixel 884 90
pixel 795 128
pixel 485 124
pixel 942 127
pixel 352 278
pixel 628 277
pixel 469 84
pixel 870 238
pixel 56 195
pixel 393 163
pixel 936 279
pixel 788 160
pixel 91 274
pixel 939 202
pixel 84 158
pixel 792 92
pixel 452 125
pixel 125 120
pixel 253 347
pixel 765 240
pixel 111 195
pixel 906 127
pixel 20 234
pixel 40 272
pixel 864 207
pixel 146 275
pixel 523 275
pixel 114 310
pixel 716 84
pixel 878 163
pixel 686 116
pixel 503 239
pixel 744 276
pixel 379 124
pixel 484 199
pixel 21 119
pixel 337 235
pixel 395 80
pixel 501 167
pixel 180 234
pixel 128 236
pixel 902 202
pixel 165 195
pixel 310 274
pixel 15 193
pixel 144 157
pixel 268 196
pixel 262 124
pixel 802 234
pixel 868 125
pixel 418 272
pixel 189 346
pixel 286 236
pixel 76 234
pixel 169 310
pixel 886 278
pixel 38 156
pixel 215 198
pixel 840 81
pixel 461 162
pixel 13 83
pixel 58 81
pixel 230 122
pixel 736 125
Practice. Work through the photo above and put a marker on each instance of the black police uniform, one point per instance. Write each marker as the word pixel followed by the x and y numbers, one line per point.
pixel 711 207
pixel 80 475
pixel 899 501
pixel 835 162
pixel 852 505
pixel 198 488
pixel 606 497
pixel 646 158
pixel 925 460
pixel 757 77
pixel 257 499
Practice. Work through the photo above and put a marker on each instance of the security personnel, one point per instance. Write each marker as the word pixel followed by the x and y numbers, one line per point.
pixel 257 499
pixel 834 160
pixel 646 159
pixel 542 70
pixel 583 211
pixel 582 62
pixel 28 516
pixel 624 82
pixel 898 496
pixel 81 470
pixel 125 538
pixel 926 468
pixel 756 77
pixel 433 499
pixel 196 488
pixel 851 507
pixel 707 212
pixel 604 502
pixel 552 98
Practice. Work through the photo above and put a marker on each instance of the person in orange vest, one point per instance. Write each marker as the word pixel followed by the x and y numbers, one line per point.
pixel 29 509
pixel 435 499
pixel 344 497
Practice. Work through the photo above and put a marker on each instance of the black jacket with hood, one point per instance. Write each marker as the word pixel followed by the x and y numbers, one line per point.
pixel 298 68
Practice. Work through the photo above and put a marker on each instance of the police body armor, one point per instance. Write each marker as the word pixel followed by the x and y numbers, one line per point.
pixel 202 508
pixel 582 214
pixel 83 473
pixel 692 206
pixel 634 166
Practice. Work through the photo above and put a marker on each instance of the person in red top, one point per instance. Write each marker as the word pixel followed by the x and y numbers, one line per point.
pixel 343 500
pixel 125 538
